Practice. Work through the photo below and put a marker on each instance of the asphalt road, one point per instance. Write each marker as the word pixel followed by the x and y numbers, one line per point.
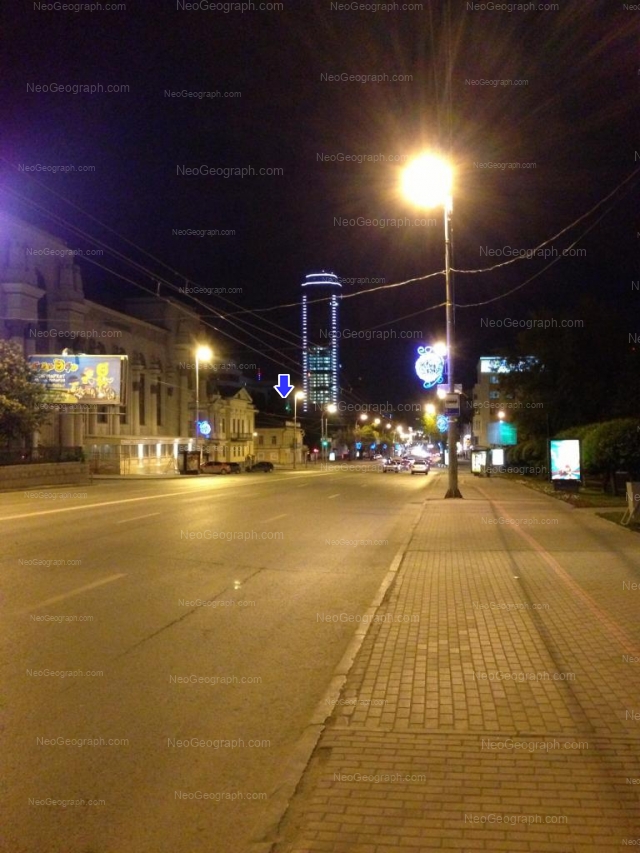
pixel 252 583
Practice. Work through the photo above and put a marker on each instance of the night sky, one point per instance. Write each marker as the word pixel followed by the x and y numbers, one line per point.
pixel 576 119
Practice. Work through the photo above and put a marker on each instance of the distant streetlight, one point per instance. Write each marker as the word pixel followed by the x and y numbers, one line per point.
pixel 428 182
pixel 430 409
pixel 331 409
pixel 203 353
pixel 299 395
pixel 501 415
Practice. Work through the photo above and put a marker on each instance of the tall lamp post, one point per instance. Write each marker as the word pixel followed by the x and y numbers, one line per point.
pixel 428 182
pixel 324 427
pixel 299 395
pixel 203 353
pixel 363 417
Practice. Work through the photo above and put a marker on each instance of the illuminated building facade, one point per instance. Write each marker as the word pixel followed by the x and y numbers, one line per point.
pixel 320 340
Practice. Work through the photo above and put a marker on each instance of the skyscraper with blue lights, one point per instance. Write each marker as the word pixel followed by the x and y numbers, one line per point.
pixel 320 300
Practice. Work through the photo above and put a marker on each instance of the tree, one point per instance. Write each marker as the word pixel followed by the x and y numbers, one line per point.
pixel 429 424
pixel 582 371
pixel 21 397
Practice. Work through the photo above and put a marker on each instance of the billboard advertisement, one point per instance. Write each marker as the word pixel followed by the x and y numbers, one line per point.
pixel 90 379
pixel 565 459
pixel 502 433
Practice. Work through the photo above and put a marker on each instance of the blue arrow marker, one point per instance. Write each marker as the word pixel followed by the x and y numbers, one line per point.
pixel 284 388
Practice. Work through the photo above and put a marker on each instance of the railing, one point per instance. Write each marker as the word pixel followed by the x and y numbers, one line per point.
pixel 241 436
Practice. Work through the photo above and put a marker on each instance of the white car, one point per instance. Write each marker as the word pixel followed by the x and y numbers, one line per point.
pixel 420 466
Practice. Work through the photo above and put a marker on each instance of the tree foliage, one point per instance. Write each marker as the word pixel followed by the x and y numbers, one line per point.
pixel 581 373
pixel 21 397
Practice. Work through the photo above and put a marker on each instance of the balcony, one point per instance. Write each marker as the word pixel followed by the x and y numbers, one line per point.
pixel 241 436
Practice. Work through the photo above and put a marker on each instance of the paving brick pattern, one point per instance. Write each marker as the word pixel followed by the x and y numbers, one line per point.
pixel 490 706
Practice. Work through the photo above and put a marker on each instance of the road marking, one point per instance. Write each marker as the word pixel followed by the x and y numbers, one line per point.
pixel 303 486
pixel 93 506
pixel 137 518
pixel 333 496
pixel 273 518
pixel 73 592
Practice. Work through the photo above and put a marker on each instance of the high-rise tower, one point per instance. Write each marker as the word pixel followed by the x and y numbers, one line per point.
pixel 320 299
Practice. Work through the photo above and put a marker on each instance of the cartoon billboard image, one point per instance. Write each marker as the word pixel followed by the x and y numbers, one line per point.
pixel 70 379
pixel 565 459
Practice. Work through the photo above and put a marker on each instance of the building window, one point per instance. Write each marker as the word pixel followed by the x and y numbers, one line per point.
pixel 260 440
pixel 101 415
pixel 274 439
pixel 494 395
pixel 494 380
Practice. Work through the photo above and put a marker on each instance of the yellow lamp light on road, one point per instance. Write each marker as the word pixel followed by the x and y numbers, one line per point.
pixel 428 181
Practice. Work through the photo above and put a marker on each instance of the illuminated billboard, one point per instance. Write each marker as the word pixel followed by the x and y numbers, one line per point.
pixel 503 433
pixel 91 379
pixel 565 459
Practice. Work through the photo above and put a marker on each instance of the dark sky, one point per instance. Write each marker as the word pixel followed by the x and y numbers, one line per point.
pixel 576 119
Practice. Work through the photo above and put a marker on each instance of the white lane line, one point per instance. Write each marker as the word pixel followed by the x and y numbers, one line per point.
pixel 333 496
pixel 93 506
pixel 73 592
pixel 137 518
pixel 273 518
pixel 303 486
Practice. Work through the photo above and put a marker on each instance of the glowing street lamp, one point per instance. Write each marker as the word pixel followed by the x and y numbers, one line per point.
pixel 299 395
pixel 203 353
pixel 331 409
pixel 428 182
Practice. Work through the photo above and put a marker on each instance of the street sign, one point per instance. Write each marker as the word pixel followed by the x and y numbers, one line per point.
pixel 452 405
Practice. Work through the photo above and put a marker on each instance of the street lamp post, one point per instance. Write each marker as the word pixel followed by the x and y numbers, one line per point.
pixel 363 417
pixel 299 395
pixel 206 354
pixel 324 427
pixel 427 181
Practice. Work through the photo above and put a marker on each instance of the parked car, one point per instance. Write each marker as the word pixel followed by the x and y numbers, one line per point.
pixel 267 467
pixel 220 468
pixel 420 466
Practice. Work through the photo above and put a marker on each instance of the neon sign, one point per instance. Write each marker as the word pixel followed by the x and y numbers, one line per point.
pixel 429 366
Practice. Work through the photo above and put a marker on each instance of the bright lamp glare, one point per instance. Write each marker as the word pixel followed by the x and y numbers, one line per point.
pixel 427 181
pixel 204 353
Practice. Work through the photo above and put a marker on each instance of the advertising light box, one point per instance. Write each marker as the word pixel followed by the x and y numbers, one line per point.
pixel 502 433
pixel 565 459
pixel 90 379
pixel 478 461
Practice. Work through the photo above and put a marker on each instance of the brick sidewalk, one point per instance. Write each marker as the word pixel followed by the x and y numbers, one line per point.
pixel 491 705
